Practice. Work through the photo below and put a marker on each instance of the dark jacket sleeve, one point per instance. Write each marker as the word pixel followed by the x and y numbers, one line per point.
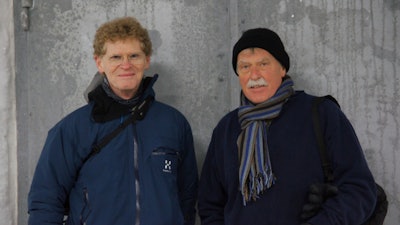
pixel 52 180
pixel 211 203
pixel 188 178
pixel 357 190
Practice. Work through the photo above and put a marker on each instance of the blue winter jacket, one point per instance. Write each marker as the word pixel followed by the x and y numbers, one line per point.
pixel 146 174
pixel 296 164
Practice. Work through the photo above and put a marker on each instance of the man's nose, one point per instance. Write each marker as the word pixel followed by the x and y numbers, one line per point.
pixel 126 62
pixel 254 72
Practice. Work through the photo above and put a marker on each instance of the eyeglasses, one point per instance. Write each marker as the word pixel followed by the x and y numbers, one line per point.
pixel 136 59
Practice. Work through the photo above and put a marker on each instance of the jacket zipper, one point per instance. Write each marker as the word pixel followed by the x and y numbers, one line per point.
pixel 86 200
pixel 157 151
pixel 136 171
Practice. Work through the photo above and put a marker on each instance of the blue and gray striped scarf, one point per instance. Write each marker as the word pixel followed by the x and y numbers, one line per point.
pixel 255 172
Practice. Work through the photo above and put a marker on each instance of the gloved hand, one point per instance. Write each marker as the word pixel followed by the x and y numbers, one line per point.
pixel 317 195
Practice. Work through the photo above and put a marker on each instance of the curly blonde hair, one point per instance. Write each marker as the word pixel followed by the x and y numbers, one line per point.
pixel 121 29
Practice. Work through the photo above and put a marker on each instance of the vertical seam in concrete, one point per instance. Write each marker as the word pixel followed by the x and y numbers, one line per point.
pixel 234 33
pixel 8 117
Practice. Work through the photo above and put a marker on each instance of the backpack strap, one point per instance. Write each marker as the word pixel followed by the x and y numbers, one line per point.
pixel 326 165
pixel 381 207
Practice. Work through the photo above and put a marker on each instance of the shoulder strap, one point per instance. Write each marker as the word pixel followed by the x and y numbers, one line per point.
pixel 138 113
pixel 326 165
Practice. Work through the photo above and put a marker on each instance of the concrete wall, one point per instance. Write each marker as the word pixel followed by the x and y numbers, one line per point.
pixel 349 49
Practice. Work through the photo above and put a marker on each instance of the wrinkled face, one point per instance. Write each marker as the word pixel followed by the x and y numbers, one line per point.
pixel 123 64
pixel 260 74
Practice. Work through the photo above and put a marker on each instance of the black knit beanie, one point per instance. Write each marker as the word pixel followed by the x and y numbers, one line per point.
pixel 261 38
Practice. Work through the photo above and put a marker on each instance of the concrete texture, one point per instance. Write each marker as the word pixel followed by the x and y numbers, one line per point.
pixel 349 49
pixel 8 131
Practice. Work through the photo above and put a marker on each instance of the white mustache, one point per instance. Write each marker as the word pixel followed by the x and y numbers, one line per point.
pixel 255 83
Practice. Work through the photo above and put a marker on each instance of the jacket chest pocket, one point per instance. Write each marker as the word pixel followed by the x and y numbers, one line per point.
pixel 165 161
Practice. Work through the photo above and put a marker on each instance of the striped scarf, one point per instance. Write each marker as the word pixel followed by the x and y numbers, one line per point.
pixel 255 172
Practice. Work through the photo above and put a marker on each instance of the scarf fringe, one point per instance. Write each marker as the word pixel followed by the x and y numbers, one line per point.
pixel 256 187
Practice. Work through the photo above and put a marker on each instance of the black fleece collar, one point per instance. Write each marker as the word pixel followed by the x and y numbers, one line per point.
pixel 105 108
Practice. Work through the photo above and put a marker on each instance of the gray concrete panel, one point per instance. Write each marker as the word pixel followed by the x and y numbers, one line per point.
pixel 349 49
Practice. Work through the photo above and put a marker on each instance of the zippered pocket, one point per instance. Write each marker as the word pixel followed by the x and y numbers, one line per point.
pixel 86 208
pixel 165 160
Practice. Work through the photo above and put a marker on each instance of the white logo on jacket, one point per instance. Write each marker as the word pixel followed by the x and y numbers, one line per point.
pixel 167 166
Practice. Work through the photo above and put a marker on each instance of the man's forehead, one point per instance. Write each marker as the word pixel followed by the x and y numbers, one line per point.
pixel 253 56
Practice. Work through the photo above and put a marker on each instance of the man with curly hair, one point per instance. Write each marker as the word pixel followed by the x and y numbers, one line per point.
pixel 143 174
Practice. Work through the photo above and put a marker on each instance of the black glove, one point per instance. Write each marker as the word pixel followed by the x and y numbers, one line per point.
pixel 317 195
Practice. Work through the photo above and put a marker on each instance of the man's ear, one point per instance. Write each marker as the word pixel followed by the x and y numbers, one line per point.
pixel 283 74
pixel 148 59
pixel 99 65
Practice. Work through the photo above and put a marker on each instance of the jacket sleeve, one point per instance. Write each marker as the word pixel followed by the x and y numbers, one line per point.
pixel 211 204
pixel 356 198
pixel 52 180
pixel 188 178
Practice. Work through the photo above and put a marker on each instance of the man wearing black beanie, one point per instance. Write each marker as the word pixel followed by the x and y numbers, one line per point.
pixel 263 157
pixel 265 39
